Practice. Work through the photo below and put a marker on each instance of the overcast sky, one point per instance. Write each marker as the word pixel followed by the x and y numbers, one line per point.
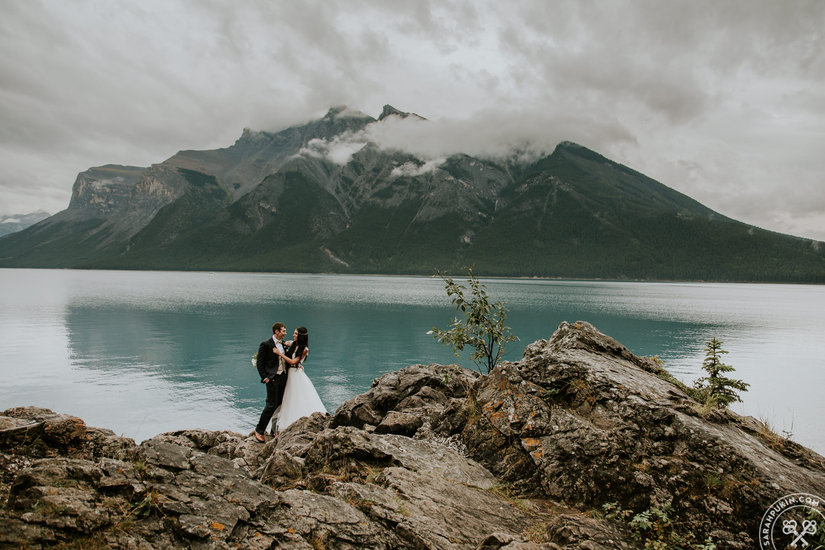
pixel 723 101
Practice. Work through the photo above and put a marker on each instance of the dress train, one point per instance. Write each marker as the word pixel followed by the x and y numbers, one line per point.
pixel 300 399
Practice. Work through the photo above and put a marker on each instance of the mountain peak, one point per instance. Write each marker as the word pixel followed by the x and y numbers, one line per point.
pixel 571 145
pixel 250 136
pixel 342 111
pixel 389 110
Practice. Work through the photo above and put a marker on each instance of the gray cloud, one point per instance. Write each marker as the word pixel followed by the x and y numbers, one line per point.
pixel 722 101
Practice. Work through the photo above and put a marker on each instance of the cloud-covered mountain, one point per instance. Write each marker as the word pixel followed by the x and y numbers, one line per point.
pixel 351 193
pixel 18 222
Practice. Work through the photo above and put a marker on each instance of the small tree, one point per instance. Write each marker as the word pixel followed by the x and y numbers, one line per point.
pixel 716 389
pixel 482 327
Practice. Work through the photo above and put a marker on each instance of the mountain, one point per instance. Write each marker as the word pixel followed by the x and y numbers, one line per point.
pixel 321 197
pixel 18 222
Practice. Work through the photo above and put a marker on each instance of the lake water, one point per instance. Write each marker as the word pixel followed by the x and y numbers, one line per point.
pixel 146 352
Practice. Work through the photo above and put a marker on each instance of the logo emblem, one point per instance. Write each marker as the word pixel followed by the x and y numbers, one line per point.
pixel 793 521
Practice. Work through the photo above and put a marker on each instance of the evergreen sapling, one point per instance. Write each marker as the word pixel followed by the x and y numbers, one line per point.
pixel 716 389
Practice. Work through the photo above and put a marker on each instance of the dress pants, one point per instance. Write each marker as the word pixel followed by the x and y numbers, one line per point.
pixel 274 397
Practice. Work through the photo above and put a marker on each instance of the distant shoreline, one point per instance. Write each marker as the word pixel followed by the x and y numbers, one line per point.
pixel 458 275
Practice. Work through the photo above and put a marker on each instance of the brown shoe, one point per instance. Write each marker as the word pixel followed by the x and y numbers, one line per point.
pixel 259 437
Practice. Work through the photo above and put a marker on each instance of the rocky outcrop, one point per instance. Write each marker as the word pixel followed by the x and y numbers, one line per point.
pixel 580 444
pixel 100 191
pixel 582 420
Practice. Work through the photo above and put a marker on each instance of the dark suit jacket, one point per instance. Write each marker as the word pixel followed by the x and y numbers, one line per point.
pixel 267 360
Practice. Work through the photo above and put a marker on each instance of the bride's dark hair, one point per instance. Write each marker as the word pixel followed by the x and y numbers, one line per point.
pixel 300 344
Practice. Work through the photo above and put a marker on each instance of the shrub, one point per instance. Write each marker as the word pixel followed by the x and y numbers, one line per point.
pixel 482 327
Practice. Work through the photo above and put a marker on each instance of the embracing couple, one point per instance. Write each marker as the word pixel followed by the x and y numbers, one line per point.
pixel 289 391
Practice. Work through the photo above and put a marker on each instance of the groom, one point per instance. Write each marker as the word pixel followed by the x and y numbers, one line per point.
pixel 273 375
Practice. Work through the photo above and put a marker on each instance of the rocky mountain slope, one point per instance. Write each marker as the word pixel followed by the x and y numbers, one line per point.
pixel 322 197
pixel 580 444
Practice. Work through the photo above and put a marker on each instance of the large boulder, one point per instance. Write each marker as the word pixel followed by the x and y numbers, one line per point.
pixel 397 399
pixel 581 420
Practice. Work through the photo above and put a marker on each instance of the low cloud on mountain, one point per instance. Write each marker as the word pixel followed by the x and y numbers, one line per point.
pixel 338 150
pixel 492 135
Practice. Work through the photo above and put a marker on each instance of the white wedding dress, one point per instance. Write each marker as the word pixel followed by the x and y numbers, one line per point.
pixel 300 398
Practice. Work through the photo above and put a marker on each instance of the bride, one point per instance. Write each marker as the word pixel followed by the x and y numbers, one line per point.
pixel 300 397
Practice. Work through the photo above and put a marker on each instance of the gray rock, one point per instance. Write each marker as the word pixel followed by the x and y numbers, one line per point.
pixel 583 421
pixel 424 390
pixel 16 431
pixel 399 423
pixel 164 454
pixel 282 470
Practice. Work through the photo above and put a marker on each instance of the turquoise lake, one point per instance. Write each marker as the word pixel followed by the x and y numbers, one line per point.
pixel 144 352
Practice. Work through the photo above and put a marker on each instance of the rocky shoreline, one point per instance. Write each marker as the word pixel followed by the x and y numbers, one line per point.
pixel 567 448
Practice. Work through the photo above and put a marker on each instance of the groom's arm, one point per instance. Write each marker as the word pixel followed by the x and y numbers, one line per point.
pixel 262 351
